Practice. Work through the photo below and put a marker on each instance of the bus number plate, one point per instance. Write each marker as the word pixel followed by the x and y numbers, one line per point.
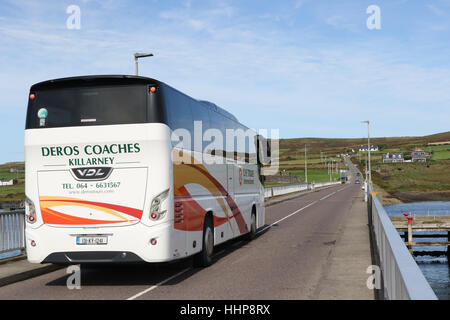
pixel 92 240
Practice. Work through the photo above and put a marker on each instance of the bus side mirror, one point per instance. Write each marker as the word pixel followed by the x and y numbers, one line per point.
pixel 263 150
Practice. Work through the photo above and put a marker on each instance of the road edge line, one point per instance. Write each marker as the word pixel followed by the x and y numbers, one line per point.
pixel 158 284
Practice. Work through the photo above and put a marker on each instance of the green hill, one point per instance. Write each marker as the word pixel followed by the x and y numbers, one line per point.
pixel 293 149
pixel 404 181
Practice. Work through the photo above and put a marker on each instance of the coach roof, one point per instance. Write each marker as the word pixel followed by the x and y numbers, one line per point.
pixel 99 80
pixel 93 81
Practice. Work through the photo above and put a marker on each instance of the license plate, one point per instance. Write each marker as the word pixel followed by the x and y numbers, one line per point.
pixel 92 240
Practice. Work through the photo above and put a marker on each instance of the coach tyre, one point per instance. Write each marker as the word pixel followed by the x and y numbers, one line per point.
pixel 204 258
pixel 252 233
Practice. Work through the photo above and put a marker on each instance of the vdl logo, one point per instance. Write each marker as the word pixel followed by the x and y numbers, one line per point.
pixel 91 174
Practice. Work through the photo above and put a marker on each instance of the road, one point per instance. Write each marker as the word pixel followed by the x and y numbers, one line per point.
pixel 286 260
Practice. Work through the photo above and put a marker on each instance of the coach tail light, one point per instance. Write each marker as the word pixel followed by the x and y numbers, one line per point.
pixel 30 213
pixel 157 210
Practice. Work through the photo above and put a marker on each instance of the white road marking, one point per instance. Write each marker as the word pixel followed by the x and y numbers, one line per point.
pixel 158 284
pixel 289 215
pixel 329 195
pixel 343 188
pixel 297 211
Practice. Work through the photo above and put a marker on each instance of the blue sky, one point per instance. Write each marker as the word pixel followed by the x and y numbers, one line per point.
pixel 310 68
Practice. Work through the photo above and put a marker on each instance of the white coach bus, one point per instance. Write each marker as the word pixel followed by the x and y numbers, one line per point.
pixel 128 169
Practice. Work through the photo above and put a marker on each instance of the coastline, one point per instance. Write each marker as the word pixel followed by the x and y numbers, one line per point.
pixel 400 197
pixel 421 196
pixel 386 198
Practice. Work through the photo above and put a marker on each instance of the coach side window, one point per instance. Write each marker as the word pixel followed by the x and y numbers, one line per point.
pixel 200 116
pixel 179 116
pixel 215 140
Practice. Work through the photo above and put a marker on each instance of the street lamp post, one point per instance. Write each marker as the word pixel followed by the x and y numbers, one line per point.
pixel 330 168
pixel 140 55
pixel 333 163
pixel 306 166
pixel 369 176
pixel 368 150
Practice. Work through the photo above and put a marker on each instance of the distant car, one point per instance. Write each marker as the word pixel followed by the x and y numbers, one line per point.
pixel 357 181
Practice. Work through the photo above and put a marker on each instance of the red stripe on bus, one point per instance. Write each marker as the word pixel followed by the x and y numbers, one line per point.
pixel 193 214
pixel 54 217
pixel 231 203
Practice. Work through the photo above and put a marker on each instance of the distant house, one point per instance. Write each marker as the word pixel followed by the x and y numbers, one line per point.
pixel 393 157
pixel 365 147
pixel 418 155
pixel 6 182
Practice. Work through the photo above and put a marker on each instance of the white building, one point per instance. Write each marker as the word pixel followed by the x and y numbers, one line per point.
pixel 372 148
pixel 6 182
pixel 392 157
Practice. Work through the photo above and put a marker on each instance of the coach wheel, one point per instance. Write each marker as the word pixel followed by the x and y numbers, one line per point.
pixel 204 258
pixel 252 233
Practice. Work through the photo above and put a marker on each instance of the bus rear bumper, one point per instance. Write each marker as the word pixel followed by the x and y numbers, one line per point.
pixel 78 257
pixel 125 244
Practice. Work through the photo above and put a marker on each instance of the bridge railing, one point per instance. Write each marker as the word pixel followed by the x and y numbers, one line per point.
pixel 12 231
pixel 402 277
pixel 281 190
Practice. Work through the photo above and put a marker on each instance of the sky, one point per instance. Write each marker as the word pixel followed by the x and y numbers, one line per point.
pixel 310 68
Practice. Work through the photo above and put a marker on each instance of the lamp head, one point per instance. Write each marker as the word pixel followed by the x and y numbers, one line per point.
pixel 143 55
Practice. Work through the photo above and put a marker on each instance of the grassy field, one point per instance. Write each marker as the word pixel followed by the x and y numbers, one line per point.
pixel 442 155
pixel 429 176
pixel 15 192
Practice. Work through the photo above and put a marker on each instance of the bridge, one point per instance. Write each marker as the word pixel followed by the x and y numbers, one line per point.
pixel 320 241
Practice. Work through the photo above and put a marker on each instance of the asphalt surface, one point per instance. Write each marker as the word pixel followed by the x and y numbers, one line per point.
pixel 286 260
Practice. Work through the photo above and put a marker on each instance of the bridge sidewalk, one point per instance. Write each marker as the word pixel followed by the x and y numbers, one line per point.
pixel 345 276
pixel 19 269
